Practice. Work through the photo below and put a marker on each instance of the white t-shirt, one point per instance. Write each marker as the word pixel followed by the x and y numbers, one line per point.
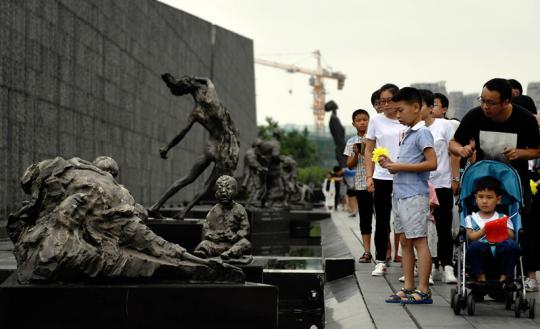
pixel 481 222
pixel 385 132
pixel 442 132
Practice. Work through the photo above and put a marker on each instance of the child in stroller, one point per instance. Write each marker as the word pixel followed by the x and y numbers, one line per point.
pixel 484 253
pixel 489 241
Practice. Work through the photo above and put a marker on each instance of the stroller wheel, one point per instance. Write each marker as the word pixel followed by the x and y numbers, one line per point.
pixel 508 300
pixel 453 293
pixel 518 303
pixel 456 301
pixel 470 304
pixel 532 303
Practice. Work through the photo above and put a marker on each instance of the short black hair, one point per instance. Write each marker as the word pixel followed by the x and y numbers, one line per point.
pixel 514 84
pixel 526 102
pixel 336 169
pixel 488 183
pixel 427 96
pixel 502 86
pixel 409 95
pixel 444 99
pixel 390 87
pixel 358 112
pixel 375 96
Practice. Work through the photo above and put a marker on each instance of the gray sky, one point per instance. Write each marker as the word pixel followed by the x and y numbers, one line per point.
pixel 463 42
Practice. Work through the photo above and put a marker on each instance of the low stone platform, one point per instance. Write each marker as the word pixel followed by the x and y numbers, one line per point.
pixel 159 305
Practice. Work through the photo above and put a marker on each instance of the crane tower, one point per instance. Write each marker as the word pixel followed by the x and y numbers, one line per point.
pixel 316 81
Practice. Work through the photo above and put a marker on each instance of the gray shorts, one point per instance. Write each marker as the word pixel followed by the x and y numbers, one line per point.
pixel 411 216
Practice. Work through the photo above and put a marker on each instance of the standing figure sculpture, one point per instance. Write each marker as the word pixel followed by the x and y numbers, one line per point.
pixel 337 131
pixel 275 190
pixel 255 169
pixel 223 146
pixel 226 228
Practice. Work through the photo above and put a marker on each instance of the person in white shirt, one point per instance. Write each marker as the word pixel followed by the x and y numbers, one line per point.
pixel 441 178
pixel 383 131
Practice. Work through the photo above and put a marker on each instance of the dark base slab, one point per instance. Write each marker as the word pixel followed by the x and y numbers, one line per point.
pixel 337 268
pixel 163 305
pixel 5 273
pixel 301 289
pixel 186 233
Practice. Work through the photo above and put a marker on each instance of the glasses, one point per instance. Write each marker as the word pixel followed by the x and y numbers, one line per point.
pixel 482 101
pixel 385 101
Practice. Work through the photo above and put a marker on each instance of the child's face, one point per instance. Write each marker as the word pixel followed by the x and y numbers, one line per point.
pixel 425 111
pixel 487 200
pixel 407 113
pixel 361 122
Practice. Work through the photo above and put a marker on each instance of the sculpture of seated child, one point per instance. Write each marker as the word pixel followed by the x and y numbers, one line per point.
pixel 226 227
pixel 488 195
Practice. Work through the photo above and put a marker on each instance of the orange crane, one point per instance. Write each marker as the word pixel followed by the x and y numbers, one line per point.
pixel 316 81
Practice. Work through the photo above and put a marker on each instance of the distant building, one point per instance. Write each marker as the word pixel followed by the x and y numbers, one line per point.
pixel 460 103
pixel 436 87
pixel 533 91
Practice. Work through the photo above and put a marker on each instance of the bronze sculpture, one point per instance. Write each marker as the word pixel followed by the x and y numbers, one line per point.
pixel 337 131
pixel 223 146
pixel 255 170
pixel 226 228
pixel 81 224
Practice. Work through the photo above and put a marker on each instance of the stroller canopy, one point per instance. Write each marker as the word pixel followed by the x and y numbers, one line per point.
pixel 508 176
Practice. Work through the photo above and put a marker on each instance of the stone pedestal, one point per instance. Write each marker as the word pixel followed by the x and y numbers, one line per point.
pixel 153 305
pixel 187 233
pixel 301 289
pixel 270 231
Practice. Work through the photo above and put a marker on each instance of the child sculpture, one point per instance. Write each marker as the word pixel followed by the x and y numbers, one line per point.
pixel 226 227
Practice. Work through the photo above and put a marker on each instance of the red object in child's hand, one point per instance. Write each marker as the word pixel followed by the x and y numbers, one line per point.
pixel 497 230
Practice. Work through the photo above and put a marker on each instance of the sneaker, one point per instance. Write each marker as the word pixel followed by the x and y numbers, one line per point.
pixel 448 275
pixel 435 273
pixel 431 280
pixel 531 285
pixel 380 269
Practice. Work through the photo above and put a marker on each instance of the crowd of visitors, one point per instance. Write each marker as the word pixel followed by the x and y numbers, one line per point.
pixel 410 146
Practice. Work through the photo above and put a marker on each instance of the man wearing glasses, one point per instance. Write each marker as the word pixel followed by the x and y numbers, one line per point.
pixel 498 129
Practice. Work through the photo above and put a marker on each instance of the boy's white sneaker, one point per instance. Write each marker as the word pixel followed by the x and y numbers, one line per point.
pixel 448 275
pixel 431 280
pixel 531 285
pixel 380 269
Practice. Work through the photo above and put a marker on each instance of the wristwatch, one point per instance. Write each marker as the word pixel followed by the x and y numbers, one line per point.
pixel 455 179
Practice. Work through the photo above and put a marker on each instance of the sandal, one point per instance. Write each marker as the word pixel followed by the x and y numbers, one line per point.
pixel 425 297
pixel 397 297
pixel 366 258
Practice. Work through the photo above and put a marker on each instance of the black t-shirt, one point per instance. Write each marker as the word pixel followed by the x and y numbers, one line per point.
pixel 520 122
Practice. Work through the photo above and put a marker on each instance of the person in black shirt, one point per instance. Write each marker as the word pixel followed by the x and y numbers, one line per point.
pixel 496 120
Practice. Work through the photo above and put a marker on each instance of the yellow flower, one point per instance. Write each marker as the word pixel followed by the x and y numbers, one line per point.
pixel 377 152
pixel 533 187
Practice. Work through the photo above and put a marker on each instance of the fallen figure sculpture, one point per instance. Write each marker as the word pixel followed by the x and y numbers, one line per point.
pixel 80 224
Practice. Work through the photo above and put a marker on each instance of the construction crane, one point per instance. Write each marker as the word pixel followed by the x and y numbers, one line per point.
pixel 316 81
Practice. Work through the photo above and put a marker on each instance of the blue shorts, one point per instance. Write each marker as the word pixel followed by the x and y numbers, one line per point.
pixel 411 216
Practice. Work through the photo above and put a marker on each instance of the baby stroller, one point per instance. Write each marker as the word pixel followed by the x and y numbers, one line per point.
pixel 467 293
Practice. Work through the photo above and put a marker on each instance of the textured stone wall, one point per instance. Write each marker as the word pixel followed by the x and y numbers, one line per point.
pixel 82 78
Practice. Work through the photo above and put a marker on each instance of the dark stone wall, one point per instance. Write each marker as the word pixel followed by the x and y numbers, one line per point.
pixel 82 78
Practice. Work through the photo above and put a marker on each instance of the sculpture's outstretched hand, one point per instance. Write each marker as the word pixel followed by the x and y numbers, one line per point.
pixel 163 152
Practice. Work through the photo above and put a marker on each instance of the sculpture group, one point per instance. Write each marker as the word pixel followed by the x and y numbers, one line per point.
pixel 80 224
pixel 270 178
